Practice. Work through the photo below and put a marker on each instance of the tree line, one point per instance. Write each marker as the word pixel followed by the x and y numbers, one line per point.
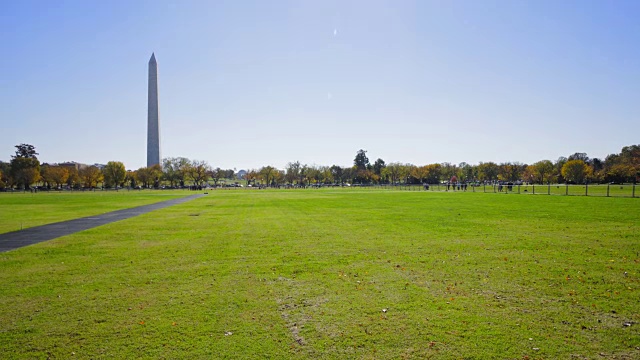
pixel 577 168
pixel 25 170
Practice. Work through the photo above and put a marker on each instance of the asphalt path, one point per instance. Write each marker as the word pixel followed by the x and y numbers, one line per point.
pixel 34 235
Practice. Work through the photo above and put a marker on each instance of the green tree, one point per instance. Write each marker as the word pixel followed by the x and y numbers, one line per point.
pixel 467 172
pixel 364 176
pixel 228 174
pixel 337 173
pixel 156 175
pixel 624 166
pixel 251 176
pixel 378 165
pixel 303 174
pixel 74 180
pixel 579 156
pixel 405 173
pixel 199 171
pixel 57 175
pixel 46 174
pixel 348 174
pixel 216 174
pixel 327 176
pixel 420 173
pixel 395 171
pixel 543 171
pixel 314 174
pixel 557 168
pixel 434 173
pixel 319 174
pixel 488 171
pixel 174 170
pixel 146 176
pixel 598 169
pixel 25 166
pixel 511 171
pixel 267 174
pixel 529 174
pixel 132 178
pixel 620 173
pixel 90 176
pixel 26 151
pixel 149 176
pixel 631 156
pixel 5 170
pixel 114 174
pixel 575 171
pixel 361 161
pixel 449 170
pixel 278 177
pixel 295 172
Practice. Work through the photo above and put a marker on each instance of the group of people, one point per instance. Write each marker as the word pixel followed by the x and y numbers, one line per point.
pixel 459 186
pixel 508 186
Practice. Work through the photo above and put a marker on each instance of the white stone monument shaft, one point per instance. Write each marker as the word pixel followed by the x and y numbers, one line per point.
pixel 153 120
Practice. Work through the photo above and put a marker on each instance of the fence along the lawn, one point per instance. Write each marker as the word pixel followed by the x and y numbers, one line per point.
pixel 608 190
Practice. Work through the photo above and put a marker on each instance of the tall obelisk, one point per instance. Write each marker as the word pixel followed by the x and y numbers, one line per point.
pixel 153 121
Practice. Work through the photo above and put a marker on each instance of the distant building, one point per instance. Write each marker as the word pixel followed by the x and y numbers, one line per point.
pixel 241 174
pixel 72 164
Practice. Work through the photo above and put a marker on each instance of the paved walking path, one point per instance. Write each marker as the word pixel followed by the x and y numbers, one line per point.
pixel 34 235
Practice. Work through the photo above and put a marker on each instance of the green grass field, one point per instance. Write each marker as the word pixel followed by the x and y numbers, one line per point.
pixel 335 274
pixel 22 210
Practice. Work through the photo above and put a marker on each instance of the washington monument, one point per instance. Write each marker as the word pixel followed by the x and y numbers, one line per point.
pixel 153 121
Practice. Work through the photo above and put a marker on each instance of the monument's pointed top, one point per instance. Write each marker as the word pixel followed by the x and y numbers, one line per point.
pixel 153 58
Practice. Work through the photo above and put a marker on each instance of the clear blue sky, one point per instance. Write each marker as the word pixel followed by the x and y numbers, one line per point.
pixel 245 84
